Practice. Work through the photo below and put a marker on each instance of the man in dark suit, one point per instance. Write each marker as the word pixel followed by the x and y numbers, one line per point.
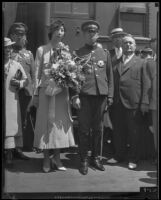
pixel 151 70
pixel 94 95
pixel 116 36
pixel 130 99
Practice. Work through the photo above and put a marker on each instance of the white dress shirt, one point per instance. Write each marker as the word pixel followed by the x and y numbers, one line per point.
pixel 126 59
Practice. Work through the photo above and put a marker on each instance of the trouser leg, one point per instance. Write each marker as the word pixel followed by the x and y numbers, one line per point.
pixel 119 132
pixel 133 133
pixel 97 124
pixel 27 131
pixel 84 118
pixel 154 124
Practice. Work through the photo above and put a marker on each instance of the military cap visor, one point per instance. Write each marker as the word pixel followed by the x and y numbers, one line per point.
pixel 147 50
pixel 90 26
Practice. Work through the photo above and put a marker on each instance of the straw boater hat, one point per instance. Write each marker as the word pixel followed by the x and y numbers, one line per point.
pixel 116 32
pixel 8 42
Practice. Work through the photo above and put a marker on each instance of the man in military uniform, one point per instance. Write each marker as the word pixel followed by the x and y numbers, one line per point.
pixel 17 33
pixel 94 95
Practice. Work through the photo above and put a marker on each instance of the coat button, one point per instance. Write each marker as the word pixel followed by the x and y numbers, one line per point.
pixel 97 75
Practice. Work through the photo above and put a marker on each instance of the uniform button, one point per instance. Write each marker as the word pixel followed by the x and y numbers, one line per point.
pixel 97 75
pixel 95 69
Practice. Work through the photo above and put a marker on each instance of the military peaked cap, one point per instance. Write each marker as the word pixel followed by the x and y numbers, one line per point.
pixel 147 50
pixel 90 25
pixel 18 27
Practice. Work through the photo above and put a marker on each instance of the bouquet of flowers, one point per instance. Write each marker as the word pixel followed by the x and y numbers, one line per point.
pixel 66 72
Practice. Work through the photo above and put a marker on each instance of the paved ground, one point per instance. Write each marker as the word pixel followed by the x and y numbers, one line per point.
pixel 27 176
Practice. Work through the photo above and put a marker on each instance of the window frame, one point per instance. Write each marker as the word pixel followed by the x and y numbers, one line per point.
pixel 90 15
pixel 138 11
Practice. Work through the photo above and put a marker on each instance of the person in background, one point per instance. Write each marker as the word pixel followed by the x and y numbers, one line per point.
pixel 116 51
pixel 130 101
pixel 95 94
pixel 116 36
pixel 53 128
pixel 151 70
pixel 12 84
pixel 17 32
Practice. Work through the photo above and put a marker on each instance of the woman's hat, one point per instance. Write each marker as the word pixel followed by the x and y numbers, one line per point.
pixel 8 42
pixel 116 32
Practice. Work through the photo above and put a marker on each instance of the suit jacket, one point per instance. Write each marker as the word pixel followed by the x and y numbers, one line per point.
pixel 98 71
pixel 131 84
pixel 152 77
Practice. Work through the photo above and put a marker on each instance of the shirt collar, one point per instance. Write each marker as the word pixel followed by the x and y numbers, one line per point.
pixel 128 58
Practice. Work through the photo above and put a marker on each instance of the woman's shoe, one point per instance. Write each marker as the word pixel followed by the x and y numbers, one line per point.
pixel 59 166
pixel 46 166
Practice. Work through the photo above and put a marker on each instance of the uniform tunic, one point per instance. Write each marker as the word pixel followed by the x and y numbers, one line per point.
pixel 53 127
pixel 93 96
pixel 13 136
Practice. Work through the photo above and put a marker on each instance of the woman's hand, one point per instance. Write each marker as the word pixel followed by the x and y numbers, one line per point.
pixel 15 83
pixel 76 103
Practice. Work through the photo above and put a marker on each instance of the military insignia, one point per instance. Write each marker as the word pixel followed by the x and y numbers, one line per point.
pixel 27 55
pixel 100 63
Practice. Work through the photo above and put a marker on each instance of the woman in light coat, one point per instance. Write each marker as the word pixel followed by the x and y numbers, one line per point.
pixel 53 129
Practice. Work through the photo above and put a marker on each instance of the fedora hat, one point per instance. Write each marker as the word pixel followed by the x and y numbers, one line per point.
pixel 117 32
pixel 8 42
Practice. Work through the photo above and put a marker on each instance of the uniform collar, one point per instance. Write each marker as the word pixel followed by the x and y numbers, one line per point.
pixel 94 46
pixel 17 48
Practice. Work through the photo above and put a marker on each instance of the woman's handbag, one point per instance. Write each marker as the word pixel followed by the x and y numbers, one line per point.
pixel 52 88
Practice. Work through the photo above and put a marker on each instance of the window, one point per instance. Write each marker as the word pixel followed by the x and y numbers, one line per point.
pixel 132 18
pixel 73 9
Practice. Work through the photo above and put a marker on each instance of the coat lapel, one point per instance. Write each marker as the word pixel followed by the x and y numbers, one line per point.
pixel 128 65
pixel 119 66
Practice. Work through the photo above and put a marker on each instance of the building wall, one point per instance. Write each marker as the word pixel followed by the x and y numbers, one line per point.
pixel 37 15
pixel 153 20
pixel 107 15
pixel 9 15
